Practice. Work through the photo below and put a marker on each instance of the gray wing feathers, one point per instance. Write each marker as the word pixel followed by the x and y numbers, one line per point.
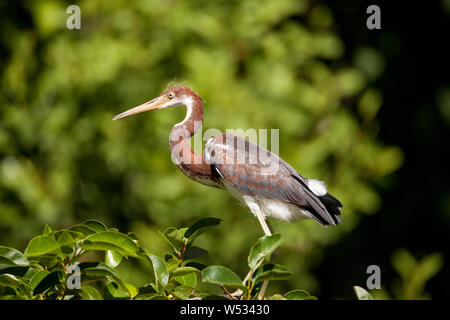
pixel 261 172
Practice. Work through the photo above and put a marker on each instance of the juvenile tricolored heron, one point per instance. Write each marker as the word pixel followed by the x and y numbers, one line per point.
pixel 269 186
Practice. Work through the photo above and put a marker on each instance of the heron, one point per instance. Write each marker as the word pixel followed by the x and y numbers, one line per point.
pixel 269 186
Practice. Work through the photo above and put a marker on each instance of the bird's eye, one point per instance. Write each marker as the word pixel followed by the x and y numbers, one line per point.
pixel 171 95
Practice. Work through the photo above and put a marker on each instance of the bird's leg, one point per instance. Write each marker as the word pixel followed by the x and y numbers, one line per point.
pixel 255 208
pixel 274 254
pixel 267 228
pixel 264 224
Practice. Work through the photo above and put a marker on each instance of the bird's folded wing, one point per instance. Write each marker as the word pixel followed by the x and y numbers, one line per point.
pixel 255 171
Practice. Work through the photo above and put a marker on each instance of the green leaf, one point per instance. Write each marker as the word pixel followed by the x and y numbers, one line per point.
pixel 96 270
pixel 272 272
pixel 90 293
pixel 430 265
pixel 205 296
pixel 37 278
pixel 50 280
pixel 132 290
pixel 116 291
pixel 158 297
pixel 277 296
pixel 172 264
pixel 222 276
pixel 41 245
pixel 404 262
pixel 66 237
pixel 85 230
pixel 297 295
pixel 101 246
pixel 95 225
pixel 11 281
pixel 199 227
pixel 47 230
pixel 160 269
pixel 30 273
pixel 182 292
pixel 177 234
pixel 12 297
pixel 125 244
pixel 187 280
pixel 162 235
pixel 12 256
pixel 112 258
pixel 362 294
pixel 182 271
pixel 48 261
pixel 263 248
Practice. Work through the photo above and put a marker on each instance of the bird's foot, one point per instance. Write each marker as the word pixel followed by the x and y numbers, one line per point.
pixel 236 295
pixel 233 296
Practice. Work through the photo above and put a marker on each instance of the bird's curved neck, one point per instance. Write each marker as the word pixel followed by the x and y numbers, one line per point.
pixel 194 117
pixel 180 146
pixel 190 162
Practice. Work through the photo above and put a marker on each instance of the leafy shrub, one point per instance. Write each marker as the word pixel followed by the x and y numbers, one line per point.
pixel 57 265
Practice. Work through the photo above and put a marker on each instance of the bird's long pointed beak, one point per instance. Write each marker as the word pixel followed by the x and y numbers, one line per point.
pixel 150 105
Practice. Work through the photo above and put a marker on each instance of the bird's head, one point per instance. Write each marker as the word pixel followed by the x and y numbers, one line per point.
pixel 171 97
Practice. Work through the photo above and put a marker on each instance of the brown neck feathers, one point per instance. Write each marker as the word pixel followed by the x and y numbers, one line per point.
pixel 183 131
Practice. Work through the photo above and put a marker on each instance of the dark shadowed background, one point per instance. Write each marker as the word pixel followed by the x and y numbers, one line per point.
pixel 367 111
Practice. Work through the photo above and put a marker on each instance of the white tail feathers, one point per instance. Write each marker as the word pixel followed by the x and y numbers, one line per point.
pixel 319 188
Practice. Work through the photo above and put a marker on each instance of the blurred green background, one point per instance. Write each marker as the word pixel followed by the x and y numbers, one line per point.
pixel 357 108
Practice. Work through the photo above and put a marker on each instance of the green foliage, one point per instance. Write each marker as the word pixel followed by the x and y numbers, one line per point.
pixel 263 248
pixel 222 276
pixel 413 275
pixel 55 261
pixel 299 295
pixel 362 293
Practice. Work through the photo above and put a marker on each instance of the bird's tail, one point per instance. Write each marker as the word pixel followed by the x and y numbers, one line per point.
pixel 333 207
pixel 323 207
